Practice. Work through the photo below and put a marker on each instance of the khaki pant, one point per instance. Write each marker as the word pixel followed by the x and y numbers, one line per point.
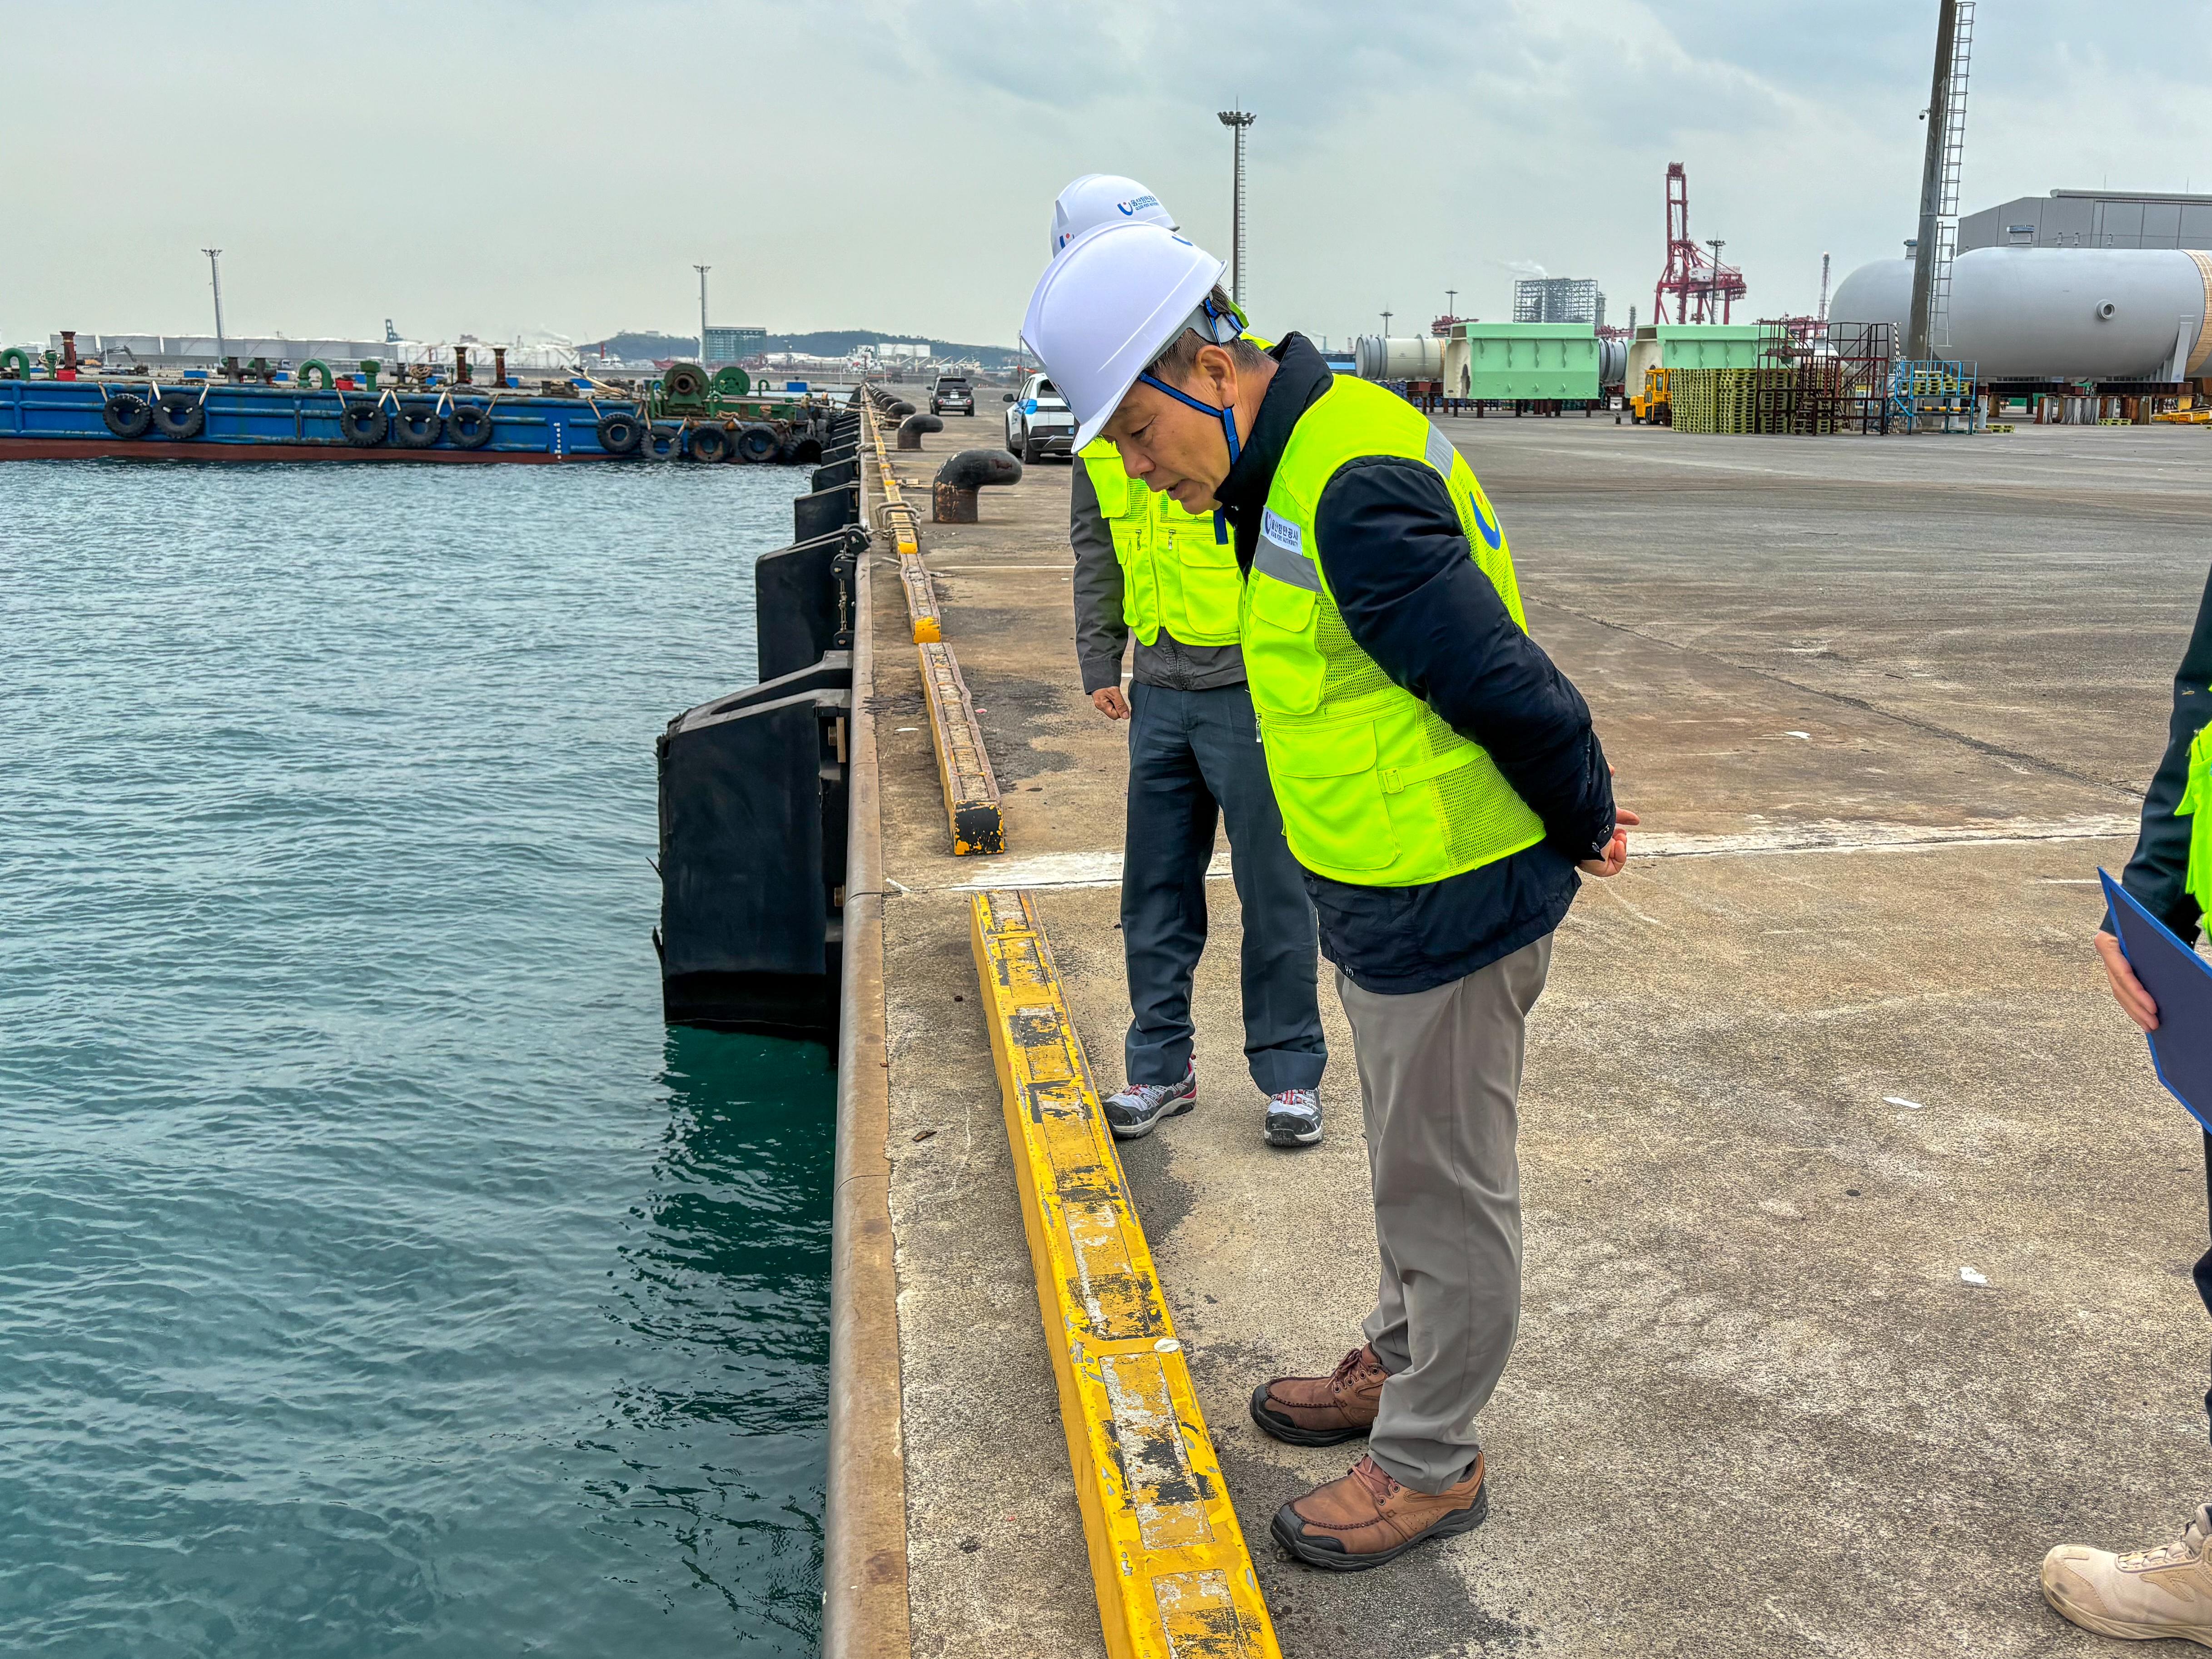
pixel 1439 1082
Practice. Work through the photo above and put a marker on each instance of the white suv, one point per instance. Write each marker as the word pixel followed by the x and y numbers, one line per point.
pixel 1038 421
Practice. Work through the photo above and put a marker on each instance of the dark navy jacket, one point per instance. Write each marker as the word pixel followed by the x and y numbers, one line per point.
pixel 2156 874
pixel 1412 599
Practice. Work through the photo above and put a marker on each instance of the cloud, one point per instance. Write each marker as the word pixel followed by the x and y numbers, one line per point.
pixel 891 163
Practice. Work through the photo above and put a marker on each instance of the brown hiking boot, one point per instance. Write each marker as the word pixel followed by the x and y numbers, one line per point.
pixel 2162 1592
pixel 1367 1518
pixel 1322 1411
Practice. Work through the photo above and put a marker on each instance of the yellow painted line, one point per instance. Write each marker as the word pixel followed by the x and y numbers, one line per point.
pixel 1173 1576
pixel 900 515
pixel 972 807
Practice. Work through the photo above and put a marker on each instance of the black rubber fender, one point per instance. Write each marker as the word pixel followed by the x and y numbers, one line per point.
pixel 364 425
pixel 126 415
pixel 912 427
pixel 661 443
pixel 799 450
pixel 179 415
pixel 621 432
pixel 469 427
pixel 759 442
pixel 710 444
pixel 972 469
pixel 417 426
pixel 902 409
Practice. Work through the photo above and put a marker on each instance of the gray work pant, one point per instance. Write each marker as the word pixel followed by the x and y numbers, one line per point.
pixel 1194 760
pixel 1439 1081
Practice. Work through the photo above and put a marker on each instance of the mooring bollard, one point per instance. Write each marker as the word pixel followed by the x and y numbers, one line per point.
pixel 900 411
pixel 953 496
pixel 912 427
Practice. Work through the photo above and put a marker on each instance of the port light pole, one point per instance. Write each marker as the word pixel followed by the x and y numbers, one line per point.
pixel 1237 121
pixel 214 279
pixel 702 271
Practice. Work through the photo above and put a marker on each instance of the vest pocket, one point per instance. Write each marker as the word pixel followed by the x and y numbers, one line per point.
pixel 1325 781
pixel 1280 663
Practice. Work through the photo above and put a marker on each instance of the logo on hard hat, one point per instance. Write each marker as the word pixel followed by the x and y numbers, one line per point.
pixel 1129 208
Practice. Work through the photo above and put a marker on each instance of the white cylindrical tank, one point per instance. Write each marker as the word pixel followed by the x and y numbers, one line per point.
pixel 1419 358
pixel 2056 314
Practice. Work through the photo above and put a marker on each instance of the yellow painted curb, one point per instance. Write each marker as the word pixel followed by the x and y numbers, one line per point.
pixel 1173 1575
pixel 972 807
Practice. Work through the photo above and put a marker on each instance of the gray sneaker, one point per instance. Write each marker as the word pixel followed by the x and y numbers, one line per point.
pixel 1294 1118
pixel 1138 1109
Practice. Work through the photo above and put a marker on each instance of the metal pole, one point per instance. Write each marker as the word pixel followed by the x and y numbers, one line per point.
pixel 1451 303
pixel 702 271
pixel 1713 290
pixel 1931 183
pixel 1386 324
pixel 215 276
pixel 1237 121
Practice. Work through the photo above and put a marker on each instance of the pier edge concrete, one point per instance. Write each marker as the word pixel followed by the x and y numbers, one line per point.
pixel 864 1528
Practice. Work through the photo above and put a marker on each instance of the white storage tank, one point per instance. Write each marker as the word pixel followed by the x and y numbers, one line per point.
pixel 1419 358
pixel 2026 314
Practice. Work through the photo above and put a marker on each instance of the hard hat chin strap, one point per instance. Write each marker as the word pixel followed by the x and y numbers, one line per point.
pixel 1226 417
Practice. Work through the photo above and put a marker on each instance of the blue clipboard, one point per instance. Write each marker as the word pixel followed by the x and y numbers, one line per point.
pixel 2180 982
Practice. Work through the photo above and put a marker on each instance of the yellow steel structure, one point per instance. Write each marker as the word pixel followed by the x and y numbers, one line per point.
pixel 972 803
pixel 1174 1578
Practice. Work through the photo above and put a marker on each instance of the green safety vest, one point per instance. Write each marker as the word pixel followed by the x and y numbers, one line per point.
pixel 1176 572
pixel 1375 788
pixel 2196 804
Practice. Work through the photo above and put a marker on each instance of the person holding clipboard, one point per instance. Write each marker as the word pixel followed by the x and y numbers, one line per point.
pixel 2164 1591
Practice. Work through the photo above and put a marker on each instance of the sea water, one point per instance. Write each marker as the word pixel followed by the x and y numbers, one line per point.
pixel 379 1275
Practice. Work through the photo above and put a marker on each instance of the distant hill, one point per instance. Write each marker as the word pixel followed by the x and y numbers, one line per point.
pixel 824 342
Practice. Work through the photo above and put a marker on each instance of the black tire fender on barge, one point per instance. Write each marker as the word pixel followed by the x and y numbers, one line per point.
pixel 418 426
pixel 759 442
pixel 710 444
pixel 661 443
pixel 620 433
pixel 364 425
pixel 179 414
pixel 469 427
pixel 126 415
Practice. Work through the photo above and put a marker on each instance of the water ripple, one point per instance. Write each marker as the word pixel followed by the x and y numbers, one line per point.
pixel 378 1276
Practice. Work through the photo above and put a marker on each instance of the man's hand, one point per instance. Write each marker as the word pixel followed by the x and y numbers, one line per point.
pixel 1616 850
pixel 1109 701
pixel 2127 990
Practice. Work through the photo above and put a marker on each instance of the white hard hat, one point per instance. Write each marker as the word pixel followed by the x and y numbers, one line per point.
pixel 1110 303
pixel 1105 198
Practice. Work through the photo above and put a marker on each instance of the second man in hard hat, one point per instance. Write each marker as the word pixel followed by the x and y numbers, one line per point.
pixel 1439 781
pixel 1145 567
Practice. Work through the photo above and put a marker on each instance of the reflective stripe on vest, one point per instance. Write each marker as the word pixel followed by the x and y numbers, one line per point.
pixel 1177 571
pixel 1376 788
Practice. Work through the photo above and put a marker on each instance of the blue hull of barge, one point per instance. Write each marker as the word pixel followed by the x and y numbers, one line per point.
pixel 61 420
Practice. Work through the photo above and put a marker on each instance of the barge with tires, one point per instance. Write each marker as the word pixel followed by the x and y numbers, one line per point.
pixel 685 416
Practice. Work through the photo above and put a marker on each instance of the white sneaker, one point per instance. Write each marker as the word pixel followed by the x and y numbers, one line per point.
pixel 1137 1111
pixel 1294 1118
pixel 2142 1597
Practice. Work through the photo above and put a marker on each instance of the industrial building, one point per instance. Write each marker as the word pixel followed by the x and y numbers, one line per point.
pixel 2091 218
pixel 1558 300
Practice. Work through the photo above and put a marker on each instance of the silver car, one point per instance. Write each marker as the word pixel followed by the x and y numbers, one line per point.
pixel 1038 421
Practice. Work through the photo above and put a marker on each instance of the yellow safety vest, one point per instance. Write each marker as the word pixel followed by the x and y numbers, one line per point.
pixel 1375 788
pixel 1175 572
pixel 2196 804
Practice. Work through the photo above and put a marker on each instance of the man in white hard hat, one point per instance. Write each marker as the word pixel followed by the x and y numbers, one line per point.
pixel 1145 567
pixel 1438 782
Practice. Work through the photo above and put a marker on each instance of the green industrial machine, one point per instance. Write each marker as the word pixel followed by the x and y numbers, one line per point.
pixel 1509 362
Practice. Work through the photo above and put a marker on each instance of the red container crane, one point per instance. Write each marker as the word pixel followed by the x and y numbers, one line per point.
pixel 1704 289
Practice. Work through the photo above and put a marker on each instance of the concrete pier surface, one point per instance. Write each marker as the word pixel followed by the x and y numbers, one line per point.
pixel 1835 1039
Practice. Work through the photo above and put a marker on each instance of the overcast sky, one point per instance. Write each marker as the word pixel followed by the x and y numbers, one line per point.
pixel 492 165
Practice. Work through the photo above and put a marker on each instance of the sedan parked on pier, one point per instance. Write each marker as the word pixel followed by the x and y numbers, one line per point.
pixel 1039 422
